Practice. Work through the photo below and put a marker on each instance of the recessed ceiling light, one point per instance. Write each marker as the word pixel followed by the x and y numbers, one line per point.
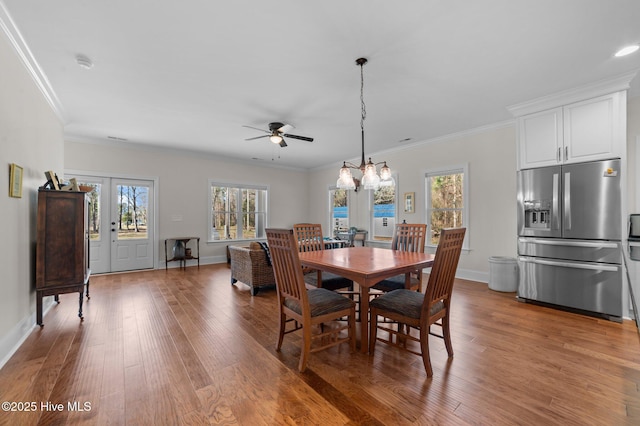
pixel 627 50
pixel 84 62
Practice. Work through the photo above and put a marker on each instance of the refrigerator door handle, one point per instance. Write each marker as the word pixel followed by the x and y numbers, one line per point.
pixel 565 243
pixel 555 209
pixel 566 223
pixel 589 266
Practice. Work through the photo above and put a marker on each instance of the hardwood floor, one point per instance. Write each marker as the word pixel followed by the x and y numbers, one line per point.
pixel 186 347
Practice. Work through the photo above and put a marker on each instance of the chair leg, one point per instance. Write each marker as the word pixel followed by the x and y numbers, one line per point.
pixel 373 329
pixel 352 330
pixel 447 334
pixel 306 347
pixel 283 325
pixel 424 347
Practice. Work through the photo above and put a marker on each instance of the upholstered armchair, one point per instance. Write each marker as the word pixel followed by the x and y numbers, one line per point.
pixel 251 266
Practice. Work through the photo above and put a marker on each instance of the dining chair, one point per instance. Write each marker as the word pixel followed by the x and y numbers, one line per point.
pixel 412 309
pixel 309 237
pixel 306 308
pixel 406 237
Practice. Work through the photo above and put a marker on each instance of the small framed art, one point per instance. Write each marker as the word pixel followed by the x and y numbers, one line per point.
pixel 15 181
pixel 409 202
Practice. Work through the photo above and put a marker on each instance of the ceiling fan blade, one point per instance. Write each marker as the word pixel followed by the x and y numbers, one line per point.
pixel 255 128
pixel 302 138
pixel 283 143
pixel 257 137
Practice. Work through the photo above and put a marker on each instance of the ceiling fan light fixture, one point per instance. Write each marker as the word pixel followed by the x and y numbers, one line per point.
pixel 275 138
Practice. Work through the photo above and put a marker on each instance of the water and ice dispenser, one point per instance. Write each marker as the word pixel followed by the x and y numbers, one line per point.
pixel 537 214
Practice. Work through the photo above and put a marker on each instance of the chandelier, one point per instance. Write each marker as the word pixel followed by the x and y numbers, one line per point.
pixel 370 178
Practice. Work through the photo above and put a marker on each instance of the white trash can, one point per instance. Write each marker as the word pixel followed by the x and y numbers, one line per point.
pixel 503 274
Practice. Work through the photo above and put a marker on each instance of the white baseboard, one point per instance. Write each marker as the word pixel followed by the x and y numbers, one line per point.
pixel 18 334
pixel 466 274
pixel 209 260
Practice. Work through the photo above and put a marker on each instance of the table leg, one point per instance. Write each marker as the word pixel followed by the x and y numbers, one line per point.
pixel 364 319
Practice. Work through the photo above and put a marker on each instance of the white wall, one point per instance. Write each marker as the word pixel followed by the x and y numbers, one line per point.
pixel 31 137
pixel 491 156
pixel 183 187
pixel 633 135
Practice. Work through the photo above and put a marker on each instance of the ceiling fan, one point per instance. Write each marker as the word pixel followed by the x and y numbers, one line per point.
pixel 276 132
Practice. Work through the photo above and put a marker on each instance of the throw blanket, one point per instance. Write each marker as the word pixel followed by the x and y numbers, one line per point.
pixel 265 247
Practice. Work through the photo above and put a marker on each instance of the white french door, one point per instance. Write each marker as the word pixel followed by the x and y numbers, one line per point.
pixel 131 231
pixel 121 223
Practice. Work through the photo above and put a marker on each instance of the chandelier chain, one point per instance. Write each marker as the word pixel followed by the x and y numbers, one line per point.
pixel 362 105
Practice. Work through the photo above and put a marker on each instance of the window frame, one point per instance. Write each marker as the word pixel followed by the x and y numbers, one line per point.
pixel 441 171
pixel 239 214
pixel 370 235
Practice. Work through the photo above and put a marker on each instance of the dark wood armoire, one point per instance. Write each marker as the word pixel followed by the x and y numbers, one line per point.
pixel 62 250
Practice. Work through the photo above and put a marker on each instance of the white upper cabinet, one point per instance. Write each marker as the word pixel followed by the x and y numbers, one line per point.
pixel 584 124
pixel 592 128
pixel 540 138
pixel 582 131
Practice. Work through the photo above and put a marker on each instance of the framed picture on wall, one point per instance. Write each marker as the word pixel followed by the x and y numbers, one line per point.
pixel 409 202
pixel 15 181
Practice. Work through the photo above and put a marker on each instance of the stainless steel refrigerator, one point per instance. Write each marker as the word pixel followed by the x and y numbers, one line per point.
pixel 569 236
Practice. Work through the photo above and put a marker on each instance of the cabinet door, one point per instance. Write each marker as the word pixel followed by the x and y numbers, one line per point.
pixel 591 129
pixel 540 139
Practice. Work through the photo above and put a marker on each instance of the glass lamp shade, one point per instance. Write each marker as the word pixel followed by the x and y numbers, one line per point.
pixel 345 180
pixel 370 178
pixel 385 172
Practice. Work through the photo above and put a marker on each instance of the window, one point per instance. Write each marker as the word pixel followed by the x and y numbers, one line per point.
pixel 446 195
pixel 339 214
pixel 237 212
pixel 384 211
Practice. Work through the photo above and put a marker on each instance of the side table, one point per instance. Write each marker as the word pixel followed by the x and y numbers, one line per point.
pixel 181 257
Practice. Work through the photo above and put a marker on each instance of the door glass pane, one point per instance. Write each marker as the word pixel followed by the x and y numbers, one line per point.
pixel 339 211
pixel 384 212
pixel 94 210
pixel 133 205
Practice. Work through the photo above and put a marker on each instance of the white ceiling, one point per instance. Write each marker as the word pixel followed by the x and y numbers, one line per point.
pixel 190 74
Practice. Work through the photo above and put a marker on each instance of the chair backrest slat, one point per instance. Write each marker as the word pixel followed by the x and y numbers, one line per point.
pixel 443 271
pixel 409 237
pixel 286 265
pixel 309 236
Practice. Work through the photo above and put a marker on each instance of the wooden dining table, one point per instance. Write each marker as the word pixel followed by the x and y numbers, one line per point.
pixel 366 266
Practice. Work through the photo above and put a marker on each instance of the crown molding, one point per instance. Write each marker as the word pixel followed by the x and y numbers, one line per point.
pixel 589 91
pixel 438 139
pixel 24 53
